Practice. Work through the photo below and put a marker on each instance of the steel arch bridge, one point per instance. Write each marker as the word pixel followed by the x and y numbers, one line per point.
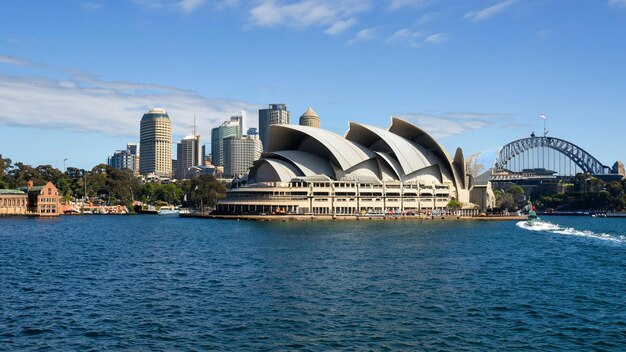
pixel 534 152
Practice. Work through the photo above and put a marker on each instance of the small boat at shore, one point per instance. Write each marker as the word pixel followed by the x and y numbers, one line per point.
pixel 168 210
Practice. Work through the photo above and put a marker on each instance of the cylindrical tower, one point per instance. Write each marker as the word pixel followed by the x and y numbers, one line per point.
pixel 156 143
pixel 310 118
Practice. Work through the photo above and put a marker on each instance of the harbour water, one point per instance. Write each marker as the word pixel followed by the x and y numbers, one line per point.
pixel 165 283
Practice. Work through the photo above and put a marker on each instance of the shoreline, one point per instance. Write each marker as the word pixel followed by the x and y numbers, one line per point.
pixel 284 218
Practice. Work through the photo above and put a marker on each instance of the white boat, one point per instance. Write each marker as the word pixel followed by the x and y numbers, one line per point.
pixel 168 210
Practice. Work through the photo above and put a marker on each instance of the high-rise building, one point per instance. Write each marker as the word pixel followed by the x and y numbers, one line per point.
pixel 240 153
pixel 275 114
pixel 133 149
pixel 230 128
pixel 156 144
pixel 310 118
pixel 188 154
pixel 125 159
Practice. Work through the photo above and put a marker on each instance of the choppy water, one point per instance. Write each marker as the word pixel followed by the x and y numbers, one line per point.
pixel 155 283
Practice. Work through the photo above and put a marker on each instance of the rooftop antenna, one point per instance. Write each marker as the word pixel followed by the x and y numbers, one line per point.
pixel 194 125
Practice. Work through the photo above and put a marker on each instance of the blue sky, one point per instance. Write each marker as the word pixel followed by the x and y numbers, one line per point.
pixel 76 76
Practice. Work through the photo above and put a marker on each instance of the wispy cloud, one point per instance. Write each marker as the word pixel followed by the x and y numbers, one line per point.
pixel 416 38
pixel 450 124
pixel 363 35
pixel 183 6
pixel 407 36
pixel 618 3
pixel 336 16
pixel 486 13
pixel 437 38
pixel 189 5
pixel 416 4
pixel 16 61
pixel 340 26
pixel 86 103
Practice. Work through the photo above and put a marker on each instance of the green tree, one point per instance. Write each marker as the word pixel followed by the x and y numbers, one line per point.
pixel 205 192
pixel 504 200
pixel 169 193
pixel 615 188
pixel 454 204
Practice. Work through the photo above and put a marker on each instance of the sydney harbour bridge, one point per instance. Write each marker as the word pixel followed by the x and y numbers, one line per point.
pixel 540 157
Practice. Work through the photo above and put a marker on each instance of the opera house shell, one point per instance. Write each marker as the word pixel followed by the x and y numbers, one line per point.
pixel 309 170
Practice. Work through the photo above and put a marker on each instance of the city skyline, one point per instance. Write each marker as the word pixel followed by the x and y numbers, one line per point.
pixel 77 75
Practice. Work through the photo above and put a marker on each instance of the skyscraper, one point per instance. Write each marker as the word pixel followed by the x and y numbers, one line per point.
pixel 156 144
pixel 188 154
pixel 230 128
pixel 240 153
pixel 310 118
pixel 133 149
pixel 275 114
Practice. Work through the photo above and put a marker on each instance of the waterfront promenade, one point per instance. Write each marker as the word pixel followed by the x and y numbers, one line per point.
pixel 353 217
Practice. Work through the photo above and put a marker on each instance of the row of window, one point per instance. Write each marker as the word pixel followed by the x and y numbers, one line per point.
pixel 13 202
pixel 48 209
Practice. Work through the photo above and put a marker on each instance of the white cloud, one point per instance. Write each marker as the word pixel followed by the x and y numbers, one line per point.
pixel 486 13
pixel 340 26
pixel 437 38
pixel 401 4
pixel 188 6
pixel 450 124
pixel 336 15
pixel 619 3
pixel 363 35
pixel 12 60
pixel 407 36
pixel 88 104
pixel 415 38
pixel 184 6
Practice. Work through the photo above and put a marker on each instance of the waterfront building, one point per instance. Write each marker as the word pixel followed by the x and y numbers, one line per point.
pixel 125 159
pixel 230 128
pixel 371 170
pixel 31 200
pixel 13 202
pixel 240 154
pixel 188 154
pixel 274 114
pixel 156 144
pixel 310 118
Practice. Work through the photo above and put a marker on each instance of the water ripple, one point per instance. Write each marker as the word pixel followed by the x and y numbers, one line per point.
pixel 161 284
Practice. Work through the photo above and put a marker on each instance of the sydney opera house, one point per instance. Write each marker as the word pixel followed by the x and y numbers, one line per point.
pixel 308 170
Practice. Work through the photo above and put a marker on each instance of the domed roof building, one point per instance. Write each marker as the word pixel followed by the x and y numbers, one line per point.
pixel 310 118
pixel 370 169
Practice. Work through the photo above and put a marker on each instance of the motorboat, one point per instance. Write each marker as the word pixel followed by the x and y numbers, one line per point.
pixel 532 218
pixel 168 210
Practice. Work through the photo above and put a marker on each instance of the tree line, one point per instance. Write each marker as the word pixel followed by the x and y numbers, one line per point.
pixel 104 184
pixel 583 192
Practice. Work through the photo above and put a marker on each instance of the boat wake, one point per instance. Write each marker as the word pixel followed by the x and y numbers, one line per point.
pixel 545 226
